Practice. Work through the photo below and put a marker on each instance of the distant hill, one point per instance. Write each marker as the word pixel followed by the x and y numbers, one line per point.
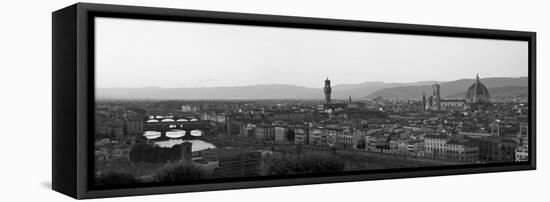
pixel 274 91
pixel 270 91
pixel 282 91
pixel 448 89
pixel 506 91
pixel 365 88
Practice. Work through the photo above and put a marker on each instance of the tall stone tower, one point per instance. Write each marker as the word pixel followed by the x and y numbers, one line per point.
pixel 437 97
pixel 423 101
pixel 328 90
pixel 430 102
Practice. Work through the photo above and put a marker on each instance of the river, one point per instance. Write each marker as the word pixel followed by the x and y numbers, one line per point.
pixel 197 144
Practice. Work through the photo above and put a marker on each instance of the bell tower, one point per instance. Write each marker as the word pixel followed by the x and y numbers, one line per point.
pixel 423 101
pixel 327 90
pixel 437 96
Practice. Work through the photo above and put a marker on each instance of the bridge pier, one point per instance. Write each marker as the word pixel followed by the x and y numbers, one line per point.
pixel 187 133
pixel 162 136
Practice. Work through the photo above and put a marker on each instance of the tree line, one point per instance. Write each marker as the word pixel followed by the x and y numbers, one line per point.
pixel 147 153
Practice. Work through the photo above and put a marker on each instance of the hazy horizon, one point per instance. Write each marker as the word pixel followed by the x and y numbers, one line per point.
pixel 147 53
pixel 320 86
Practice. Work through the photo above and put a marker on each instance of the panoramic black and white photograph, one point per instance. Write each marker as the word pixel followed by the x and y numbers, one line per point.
pixel 187 102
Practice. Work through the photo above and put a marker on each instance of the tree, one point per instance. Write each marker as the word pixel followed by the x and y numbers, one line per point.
pixel 112 178
pixel 307 163
pixel 154 154
pixel 180 172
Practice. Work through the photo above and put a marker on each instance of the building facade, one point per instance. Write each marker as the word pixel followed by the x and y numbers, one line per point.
pixel 280 134
pixel 264 132
pixel 301 135
pixel 376 142
pixel 434 145
pixel 344 139
pixel 462 151
pixel 453 104
pixel 522 153
pixel 496 149
pixel 316 136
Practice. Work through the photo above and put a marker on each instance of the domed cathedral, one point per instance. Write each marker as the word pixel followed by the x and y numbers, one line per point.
pixel 477 95
pixel 477 98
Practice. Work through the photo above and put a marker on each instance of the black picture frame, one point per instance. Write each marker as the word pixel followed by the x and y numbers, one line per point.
pixel 73 97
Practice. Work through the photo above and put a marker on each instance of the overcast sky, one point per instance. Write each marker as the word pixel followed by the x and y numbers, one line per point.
pixel 148 53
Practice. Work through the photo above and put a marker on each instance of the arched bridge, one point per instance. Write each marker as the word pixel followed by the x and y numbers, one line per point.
pixel 169 124
pixel 168 118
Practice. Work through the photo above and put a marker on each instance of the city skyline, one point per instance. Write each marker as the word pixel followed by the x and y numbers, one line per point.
pixel 150 53
pixel 193 140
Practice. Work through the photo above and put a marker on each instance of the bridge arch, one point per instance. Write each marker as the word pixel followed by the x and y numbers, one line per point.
pixel 185 127
pixel 175 133
pixel 196 132
pixel 152 134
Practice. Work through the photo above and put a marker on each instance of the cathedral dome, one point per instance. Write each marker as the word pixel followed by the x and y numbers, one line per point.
pixel 477 92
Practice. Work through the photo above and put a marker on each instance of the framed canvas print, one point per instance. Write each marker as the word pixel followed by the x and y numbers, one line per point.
pixel 156 100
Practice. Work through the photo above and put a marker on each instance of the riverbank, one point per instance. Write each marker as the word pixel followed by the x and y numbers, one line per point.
pixel 358 160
